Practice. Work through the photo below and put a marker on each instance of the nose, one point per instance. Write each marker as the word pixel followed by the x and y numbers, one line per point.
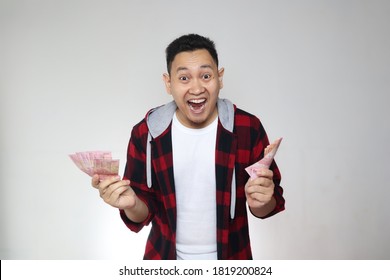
pixel 196 87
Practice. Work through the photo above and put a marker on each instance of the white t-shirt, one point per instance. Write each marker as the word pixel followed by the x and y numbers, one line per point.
pixel 195 186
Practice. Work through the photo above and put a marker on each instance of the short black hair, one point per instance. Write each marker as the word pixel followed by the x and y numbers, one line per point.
pixel 188 43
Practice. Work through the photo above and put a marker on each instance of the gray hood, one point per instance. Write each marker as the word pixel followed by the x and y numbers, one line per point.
pixel 160 118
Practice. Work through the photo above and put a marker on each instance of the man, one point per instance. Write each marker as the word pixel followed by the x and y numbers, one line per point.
pixel 185 170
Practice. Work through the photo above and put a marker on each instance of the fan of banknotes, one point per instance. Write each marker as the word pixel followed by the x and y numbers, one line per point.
pixel 96 162
pixel 265 162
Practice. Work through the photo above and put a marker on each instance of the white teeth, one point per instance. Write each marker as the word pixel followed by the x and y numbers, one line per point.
pixel 197 101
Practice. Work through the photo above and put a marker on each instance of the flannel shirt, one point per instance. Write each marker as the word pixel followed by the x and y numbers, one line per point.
pixel 234 151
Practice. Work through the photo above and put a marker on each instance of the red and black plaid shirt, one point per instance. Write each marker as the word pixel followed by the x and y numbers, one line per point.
pixel 239 149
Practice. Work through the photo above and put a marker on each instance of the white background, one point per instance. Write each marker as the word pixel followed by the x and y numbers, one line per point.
pixel 76 75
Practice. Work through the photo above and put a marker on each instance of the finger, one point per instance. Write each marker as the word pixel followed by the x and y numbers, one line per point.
pixel 95 181
pixel 268 149
pixel 112 192
pixel 265 172
pixel 252 189
pixel 108 190
pixel 260 197
pixel 258 189
pixel 259 181
pixel 116 192
pixel 108 181
pixel 262 185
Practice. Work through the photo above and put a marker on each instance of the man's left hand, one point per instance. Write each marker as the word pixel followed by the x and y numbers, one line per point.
pixel 259 191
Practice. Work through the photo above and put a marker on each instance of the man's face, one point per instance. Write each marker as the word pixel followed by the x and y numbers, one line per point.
pixel 194 83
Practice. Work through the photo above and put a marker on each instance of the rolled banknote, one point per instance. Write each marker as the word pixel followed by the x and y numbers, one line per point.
pixel 266 161
pixel 96 162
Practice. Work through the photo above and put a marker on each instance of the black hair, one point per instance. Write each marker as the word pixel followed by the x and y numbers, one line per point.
pixel 187 43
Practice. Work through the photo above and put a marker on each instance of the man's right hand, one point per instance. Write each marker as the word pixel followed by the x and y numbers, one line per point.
pixel 115 192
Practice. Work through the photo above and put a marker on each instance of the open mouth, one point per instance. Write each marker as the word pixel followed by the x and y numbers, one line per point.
pixel 197 105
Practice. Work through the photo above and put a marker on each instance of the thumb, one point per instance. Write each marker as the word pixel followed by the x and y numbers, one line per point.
pixel 95 181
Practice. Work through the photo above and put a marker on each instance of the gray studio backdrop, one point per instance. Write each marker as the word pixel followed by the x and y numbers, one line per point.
pixel 76 75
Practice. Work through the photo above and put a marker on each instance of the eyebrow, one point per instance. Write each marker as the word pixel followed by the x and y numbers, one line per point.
pixel 204 66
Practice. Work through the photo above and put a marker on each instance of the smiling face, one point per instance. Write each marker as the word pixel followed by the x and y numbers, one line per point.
pixel 194 83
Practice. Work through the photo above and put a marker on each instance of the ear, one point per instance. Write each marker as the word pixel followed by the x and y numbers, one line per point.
pixel 220 77
pixel 167 81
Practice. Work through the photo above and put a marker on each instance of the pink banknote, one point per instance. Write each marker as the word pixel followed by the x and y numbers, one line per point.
pixel 96 162
pixel 266 161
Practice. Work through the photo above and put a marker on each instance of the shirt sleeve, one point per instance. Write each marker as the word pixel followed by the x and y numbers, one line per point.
pixel 135 171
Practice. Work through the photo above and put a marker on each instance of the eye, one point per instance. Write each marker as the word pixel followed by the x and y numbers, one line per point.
pixel 183 78
pixel 206 76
